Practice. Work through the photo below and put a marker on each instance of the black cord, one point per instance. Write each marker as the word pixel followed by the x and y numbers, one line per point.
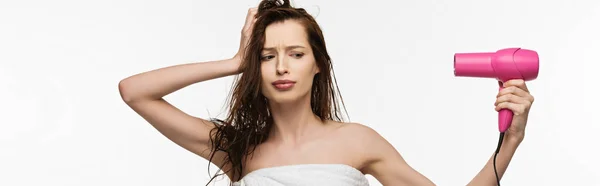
pixel 495 154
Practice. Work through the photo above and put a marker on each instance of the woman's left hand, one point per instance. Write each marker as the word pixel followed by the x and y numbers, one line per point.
pixel 515 97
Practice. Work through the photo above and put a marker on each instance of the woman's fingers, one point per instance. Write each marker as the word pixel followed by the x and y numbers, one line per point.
pixel 516 108
pixel 514 90
pixel 519 83
pixel 515 99
pixel 512 98
pixel 250 18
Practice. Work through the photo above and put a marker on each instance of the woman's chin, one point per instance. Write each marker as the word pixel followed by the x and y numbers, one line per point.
pixel 283 98
pixel 287 97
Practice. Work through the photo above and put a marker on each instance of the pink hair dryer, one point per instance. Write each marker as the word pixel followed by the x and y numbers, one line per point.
pixel 503 65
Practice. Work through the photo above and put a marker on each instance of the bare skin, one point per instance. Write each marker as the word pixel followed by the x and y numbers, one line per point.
pixel 297 137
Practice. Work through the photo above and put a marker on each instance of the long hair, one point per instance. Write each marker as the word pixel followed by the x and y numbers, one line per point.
pixel 249 121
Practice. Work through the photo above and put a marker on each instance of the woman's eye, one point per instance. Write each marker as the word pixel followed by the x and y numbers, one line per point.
pixel 269 57
pixel 298 55
pixel 266 57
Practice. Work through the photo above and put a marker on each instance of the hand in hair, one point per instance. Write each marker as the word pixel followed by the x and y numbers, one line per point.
pixel 246 33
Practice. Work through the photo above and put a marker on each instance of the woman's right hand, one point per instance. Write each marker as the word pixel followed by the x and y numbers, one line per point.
pixel 246 33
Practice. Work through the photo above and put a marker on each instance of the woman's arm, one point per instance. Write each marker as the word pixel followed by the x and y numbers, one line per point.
pixel 144 93
pixel 155 84
pixel 385 163
pixel 487 175
pixel 389 168
pixel 516 97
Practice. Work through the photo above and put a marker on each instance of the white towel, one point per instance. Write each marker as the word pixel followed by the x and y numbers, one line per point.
pixel 305 175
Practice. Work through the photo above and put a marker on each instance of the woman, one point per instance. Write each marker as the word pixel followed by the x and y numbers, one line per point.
pixel 284 127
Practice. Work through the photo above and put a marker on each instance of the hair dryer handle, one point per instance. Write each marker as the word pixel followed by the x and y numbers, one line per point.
pixel 505 116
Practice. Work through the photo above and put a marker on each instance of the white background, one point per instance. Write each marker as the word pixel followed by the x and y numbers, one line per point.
pixel 63 123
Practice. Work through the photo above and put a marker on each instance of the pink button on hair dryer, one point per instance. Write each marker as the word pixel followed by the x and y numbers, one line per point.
pixel 503 65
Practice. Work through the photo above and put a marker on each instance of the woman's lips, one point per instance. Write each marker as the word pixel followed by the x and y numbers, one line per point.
pixel 283 84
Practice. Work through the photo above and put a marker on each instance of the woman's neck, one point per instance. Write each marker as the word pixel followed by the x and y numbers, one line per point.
pixel 293 122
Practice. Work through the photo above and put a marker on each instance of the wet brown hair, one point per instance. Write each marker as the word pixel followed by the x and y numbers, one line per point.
pixel 249 121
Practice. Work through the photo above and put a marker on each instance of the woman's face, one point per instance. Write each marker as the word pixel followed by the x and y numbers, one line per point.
pixel 287 63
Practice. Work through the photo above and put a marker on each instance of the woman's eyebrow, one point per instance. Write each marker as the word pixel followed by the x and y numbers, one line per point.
pixel 287 48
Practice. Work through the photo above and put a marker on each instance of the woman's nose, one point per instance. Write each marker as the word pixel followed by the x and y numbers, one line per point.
pixel 282 67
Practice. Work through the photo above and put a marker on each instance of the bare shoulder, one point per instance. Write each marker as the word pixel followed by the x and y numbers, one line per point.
pixel 365 140
pixel 359 131
pixel 379 157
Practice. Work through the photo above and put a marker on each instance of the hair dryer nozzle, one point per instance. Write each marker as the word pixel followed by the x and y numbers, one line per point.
pixel 474 65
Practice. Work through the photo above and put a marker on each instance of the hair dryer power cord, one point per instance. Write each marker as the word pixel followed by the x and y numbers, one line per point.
pixel 495 154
